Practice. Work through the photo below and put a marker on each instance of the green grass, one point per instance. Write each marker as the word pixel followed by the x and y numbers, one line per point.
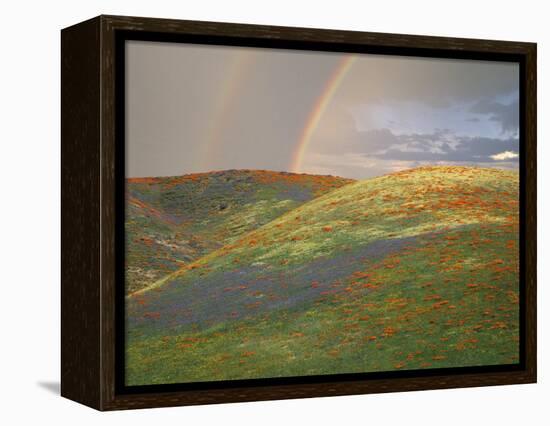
pixel 445 297
pixel 173 221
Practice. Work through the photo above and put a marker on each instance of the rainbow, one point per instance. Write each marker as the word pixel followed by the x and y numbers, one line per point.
pixel 318 110
pixel 233 81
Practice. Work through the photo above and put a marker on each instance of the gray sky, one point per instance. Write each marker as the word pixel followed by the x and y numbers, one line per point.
pixel 194 108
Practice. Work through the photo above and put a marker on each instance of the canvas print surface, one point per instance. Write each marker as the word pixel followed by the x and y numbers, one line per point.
pixel 293 213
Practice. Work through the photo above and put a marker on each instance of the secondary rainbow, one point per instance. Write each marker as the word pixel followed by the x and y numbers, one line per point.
pixel 318 110
pixel 235 78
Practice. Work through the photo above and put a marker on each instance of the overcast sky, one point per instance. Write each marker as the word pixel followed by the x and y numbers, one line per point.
pixel 193 108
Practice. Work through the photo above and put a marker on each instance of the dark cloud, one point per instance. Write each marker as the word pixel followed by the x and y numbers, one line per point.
pixel 441 145
pixel 375 140
pixel 507 115
pixel 438 83
pixel 193 108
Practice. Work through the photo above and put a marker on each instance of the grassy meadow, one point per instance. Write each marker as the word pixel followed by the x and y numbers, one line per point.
pixel 255 274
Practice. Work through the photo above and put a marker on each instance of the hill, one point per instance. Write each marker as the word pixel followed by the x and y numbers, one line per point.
pixel 172 221
pixel 417 269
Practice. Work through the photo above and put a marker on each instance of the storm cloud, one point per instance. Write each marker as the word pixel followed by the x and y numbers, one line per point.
pixel 507 115
pixel 438 146
pixel 196 108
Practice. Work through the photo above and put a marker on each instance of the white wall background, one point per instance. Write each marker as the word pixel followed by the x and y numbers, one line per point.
pixel 30 197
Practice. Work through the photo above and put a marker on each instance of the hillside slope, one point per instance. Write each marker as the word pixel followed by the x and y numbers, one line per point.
pixel 416 269
pixel 173 221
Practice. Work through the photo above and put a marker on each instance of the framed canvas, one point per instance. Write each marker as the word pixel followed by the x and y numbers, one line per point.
pixel 254 212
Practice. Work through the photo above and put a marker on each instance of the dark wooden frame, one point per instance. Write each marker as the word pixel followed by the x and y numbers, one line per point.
pixel 90 167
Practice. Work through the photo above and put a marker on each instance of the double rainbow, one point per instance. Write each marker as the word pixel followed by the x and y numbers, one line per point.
pixel 235 79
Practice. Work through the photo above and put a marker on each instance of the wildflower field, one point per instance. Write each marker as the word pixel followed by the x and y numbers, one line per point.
pixel 256 274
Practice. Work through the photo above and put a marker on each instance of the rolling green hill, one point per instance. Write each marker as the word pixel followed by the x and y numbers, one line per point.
pixel 417 269
pixel 173 221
